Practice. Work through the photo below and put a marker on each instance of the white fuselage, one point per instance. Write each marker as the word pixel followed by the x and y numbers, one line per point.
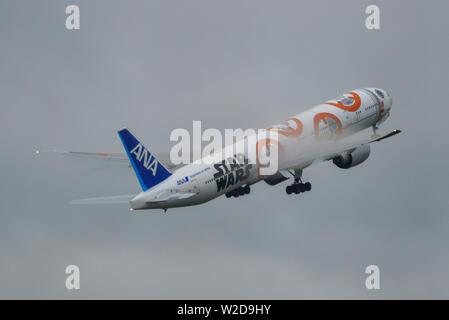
pixel 299 136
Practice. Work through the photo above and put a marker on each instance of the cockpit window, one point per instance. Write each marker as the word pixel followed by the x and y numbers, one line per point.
pixel 347 102
pixel 380 93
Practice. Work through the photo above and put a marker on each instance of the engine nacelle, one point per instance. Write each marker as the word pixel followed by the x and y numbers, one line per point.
pixel 348 160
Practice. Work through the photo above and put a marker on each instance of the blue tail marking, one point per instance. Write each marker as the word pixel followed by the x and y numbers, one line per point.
pixel 148 169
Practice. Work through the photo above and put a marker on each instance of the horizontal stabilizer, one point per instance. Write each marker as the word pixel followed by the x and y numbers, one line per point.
pixel 105 200
pixel 163 157
pixel 100 155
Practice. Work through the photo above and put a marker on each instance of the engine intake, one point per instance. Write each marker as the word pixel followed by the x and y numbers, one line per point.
pixel 348 160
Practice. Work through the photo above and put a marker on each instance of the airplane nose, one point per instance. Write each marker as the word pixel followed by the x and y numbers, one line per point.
pixel 384 97
pixel 388 101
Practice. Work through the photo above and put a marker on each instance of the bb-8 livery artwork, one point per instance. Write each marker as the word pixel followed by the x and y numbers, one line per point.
pixel 330 121
pixel 350 112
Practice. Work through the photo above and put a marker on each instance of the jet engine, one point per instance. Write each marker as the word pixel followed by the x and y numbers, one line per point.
pixel 348 160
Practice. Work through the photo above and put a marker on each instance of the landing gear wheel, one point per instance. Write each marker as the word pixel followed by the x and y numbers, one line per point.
pixel 308 186
pixel 247 189
pixel 296 189
pixel 298 186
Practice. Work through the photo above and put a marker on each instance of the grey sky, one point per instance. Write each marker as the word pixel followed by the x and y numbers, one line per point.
pixel 157 65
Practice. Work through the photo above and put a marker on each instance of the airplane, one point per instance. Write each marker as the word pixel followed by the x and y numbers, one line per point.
pixel 318 134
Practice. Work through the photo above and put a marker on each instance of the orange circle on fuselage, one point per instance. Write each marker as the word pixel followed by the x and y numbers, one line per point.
pixel 322 117
pixel 292 132
pixel 354 107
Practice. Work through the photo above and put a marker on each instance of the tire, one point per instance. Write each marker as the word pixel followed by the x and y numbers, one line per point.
pixel 296 189
pixel 308 186
pixel 301 187
pixel 288 189
pixel 247 190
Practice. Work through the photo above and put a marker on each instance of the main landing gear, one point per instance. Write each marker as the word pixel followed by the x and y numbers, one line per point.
pixel 298 187
pixel 240 191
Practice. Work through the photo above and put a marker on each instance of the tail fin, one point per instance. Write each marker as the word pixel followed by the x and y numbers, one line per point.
pixel 149 170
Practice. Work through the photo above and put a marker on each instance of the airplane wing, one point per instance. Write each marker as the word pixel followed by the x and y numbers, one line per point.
pixel 116 157
pixel 329 150
pixel 339 148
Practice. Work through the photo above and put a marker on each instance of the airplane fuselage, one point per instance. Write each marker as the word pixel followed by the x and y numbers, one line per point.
pixel 299 139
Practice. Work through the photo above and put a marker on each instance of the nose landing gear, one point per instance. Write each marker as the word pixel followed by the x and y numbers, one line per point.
pixel 375 128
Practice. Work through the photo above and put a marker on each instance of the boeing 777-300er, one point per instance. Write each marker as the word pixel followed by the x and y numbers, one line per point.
pixel 318 134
